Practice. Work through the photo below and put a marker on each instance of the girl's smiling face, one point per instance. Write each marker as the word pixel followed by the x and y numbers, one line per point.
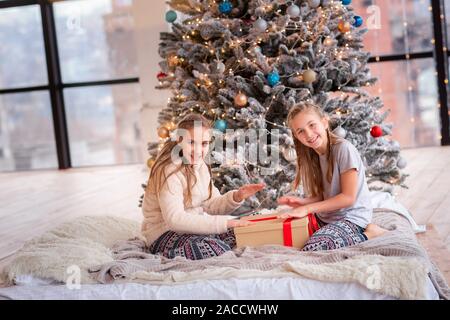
pixel 310 130
pixel 195 144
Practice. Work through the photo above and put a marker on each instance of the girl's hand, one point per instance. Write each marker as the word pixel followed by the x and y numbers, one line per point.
pixel 291 201
pixel 238 223
pixel 298 212
pixel 247 191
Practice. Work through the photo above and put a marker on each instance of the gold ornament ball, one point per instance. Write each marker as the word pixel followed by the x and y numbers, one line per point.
pixel 173 61
pixel 309 76
pixel 150 163
pixel 328 41
pixel 240 100
pixel 344 26
pixel 163 132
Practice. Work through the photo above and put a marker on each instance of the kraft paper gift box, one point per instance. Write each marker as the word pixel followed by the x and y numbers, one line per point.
pixel 268 229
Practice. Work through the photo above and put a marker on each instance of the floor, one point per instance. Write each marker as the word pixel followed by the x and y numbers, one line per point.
pixel 33 202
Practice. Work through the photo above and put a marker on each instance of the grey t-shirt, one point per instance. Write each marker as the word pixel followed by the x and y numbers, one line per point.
pixel 346 156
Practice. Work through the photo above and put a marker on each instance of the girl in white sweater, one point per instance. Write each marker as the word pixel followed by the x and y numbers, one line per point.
pixel 184 213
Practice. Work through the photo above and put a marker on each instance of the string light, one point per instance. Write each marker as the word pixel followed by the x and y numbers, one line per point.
pixel 408 66
pixel 312 29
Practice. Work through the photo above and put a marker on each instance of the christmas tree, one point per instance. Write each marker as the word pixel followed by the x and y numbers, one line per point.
pixel 244 64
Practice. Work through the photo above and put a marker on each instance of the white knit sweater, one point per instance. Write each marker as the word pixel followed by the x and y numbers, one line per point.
pixel 170 211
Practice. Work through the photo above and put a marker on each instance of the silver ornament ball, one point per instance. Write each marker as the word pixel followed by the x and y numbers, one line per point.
pixel 220 67
pixel 293 10
pixel 314 3
pixel 340 132
pixel 401 163
pixel 395 144
pixel 289 154
pixel 260 25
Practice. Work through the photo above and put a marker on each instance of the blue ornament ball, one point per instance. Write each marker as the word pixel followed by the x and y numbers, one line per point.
pixel 171 16
pixel 346 2
pixel 358 21
pixel 225 7
pixel 273 78
pixel 220 125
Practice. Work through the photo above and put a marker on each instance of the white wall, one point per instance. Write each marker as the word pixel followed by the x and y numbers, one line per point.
pixel 149 17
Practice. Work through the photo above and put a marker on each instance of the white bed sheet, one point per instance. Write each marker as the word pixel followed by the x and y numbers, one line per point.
pixel 285 288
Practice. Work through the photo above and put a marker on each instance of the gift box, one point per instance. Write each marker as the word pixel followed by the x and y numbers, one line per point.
pixel 268 229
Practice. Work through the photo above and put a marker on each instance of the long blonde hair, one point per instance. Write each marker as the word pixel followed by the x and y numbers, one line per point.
pixel 158 175
pixel 308 172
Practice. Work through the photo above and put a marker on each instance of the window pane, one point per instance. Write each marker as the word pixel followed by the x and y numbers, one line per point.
pixel 447 16
pixel 22 53
pixel 103 124
pixel 448 95
pixel 27 139
pixel 387 32
pixel 95 39
pixel 409 89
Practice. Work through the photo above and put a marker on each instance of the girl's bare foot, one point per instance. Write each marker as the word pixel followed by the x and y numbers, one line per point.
pixel 373 231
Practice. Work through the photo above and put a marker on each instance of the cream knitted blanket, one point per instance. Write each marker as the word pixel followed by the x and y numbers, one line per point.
pixel 394 264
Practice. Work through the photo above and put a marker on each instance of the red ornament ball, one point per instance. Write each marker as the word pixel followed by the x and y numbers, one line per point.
pixel 161 75
pixel 376 131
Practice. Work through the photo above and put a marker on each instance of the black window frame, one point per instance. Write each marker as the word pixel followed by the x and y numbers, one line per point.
pixel 56 86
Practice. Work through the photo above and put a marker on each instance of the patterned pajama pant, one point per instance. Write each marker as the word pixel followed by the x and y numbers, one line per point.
pixel 193 246
pixel 330 236
pixel 335 235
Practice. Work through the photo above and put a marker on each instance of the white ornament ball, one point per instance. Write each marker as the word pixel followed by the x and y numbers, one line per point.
pixel 293 10
pixel 290 154
pixel 340 132
pixel 260 25
pixel 401 163
pixel 314 3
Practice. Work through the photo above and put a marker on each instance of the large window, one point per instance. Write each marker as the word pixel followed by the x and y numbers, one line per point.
pixel 401 40
pixel 69 92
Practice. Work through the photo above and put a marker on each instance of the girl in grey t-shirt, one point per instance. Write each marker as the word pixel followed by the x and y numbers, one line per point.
pixel 332 173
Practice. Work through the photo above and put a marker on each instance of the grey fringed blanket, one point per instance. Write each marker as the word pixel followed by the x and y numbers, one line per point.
pixel 393 264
